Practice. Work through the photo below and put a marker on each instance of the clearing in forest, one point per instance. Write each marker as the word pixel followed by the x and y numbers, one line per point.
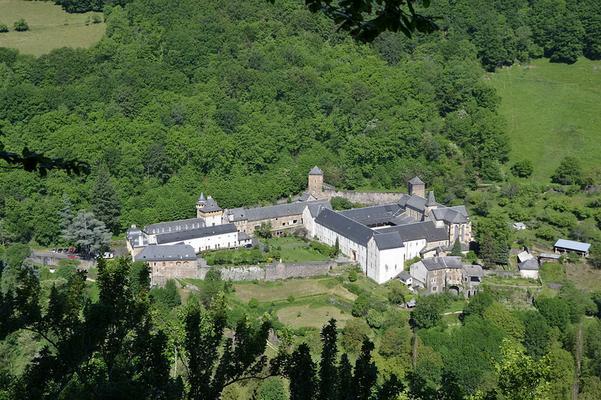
pixel 552 111
pixel 50 27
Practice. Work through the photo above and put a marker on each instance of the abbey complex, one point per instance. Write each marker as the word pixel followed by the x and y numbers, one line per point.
pixel 379 238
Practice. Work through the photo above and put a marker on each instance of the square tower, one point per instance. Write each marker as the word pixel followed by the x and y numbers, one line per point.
pixel 416 187
pixel 315 184
pixel 209 211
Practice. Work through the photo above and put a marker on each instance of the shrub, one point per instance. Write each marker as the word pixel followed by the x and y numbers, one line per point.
pixel 352 276
pixel 96 19
pixel 374 319
pixel 361 305
pixel 21 25
pixel 253 303
pixel 522 169
pixel 569 172
pixel 3 28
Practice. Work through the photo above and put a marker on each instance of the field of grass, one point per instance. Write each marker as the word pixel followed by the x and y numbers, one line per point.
pixel 311 316
pixel 295 288
pixel 49 27
pixel 552 111
pixel 293 249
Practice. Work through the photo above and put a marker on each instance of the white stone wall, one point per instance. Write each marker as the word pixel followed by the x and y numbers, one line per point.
pixel 392 262
pixel 419 272
pixel 413 248
pixel 308 222
pixel 529 274
pixel 355 251
pixel 224 241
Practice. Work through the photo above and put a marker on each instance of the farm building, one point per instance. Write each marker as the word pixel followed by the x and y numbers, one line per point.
pixel 572 246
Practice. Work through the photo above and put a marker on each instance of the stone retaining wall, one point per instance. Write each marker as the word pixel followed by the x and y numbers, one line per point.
pixel 271 272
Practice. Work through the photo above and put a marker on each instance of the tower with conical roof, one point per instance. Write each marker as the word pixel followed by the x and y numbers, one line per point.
pixel 209 211
pixel 416 187
pixel 315 184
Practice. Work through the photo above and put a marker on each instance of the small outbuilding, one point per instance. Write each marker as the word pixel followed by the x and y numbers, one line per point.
pixel 572 246
pixel 405 279
pixel 524 256
pixel 519 226
pixel 529 269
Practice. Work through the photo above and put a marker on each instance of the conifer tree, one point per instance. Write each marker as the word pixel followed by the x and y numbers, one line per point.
pixel 344 387
pixel 366 372
pixel 301 372
pixel 456 250
pixel 327 364
pixel 105 203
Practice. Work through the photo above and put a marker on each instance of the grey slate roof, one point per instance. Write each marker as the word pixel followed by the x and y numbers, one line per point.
pixel 473 270
pixel 174 226
pixel 431 199
pixel 136 237
pixel 390 240
pixel 315 171
pixel 315 207
pixel 210 205
pixel 418 230
pixel 175 237
pixel 436 263
pixel 404 276
pixel 166 253
pixel 201 197
pixel 344 226
pixel 529 265
pixel 269 212
pixel 416 181
pixel 374 215
pixel 572 245
pixel 416 202
pixel 453 215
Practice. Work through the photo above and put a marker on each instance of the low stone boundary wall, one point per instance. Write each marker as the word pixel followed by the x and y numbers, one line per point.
pixel 53 259
pixel 272 272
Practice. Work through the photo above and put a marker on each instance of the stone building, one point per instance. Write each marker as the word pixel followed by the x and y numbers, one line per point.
pixel 169 262
pixel 209 211
pixel 381 238
pixel 283 218
pixel 446 274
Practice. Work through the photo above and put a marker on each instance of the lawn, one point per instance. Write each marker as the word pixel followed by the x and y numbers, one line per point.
pixel 289 249
pixel 49 27
pixel 552 110
pixel 291 288
pixel 311 316
pixel 584 276
pixel 293 249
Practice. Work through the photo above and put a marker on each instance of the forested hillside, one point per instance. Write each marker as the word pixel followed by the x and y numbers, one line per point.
pixel 238 99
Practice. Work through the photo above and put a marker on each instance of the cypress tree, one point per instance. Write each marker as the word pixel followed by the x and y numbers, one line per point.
pixel 327 368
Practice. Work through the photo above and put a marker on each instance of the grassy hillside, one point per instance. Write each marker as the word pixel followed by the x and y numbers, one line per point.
pixel 49 27
pixel 552 110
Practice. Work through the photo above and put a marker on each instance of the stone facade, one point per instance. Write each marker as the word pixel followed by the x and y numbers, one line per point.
pixel 271 272
pixel 162 271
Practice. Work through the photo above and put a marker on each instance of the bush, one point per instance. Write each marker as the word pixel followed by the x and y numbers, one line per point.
pixel 569 172
pixel 361 305
pixel 253 303
pixel 522 169
pixel 3 28
pixel 21 25
pixel 352 276
pixel 96 19
pixel 397 292
pixel 374 319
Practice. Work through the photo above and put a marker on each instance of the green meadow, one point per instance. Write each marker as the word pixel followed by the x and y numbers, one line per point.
pixel 552 111
pixel 49 27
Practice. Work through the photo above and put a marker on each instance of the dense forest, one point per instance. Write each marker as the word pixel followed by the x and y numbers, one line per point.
pixel 239 99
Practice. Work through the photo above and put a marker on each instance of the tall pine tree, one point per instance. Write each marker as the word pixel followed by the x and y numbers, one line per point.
pixel 344 387
pixel 366 372
pixel 301 372
pixel 104 199
pixel 327 365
